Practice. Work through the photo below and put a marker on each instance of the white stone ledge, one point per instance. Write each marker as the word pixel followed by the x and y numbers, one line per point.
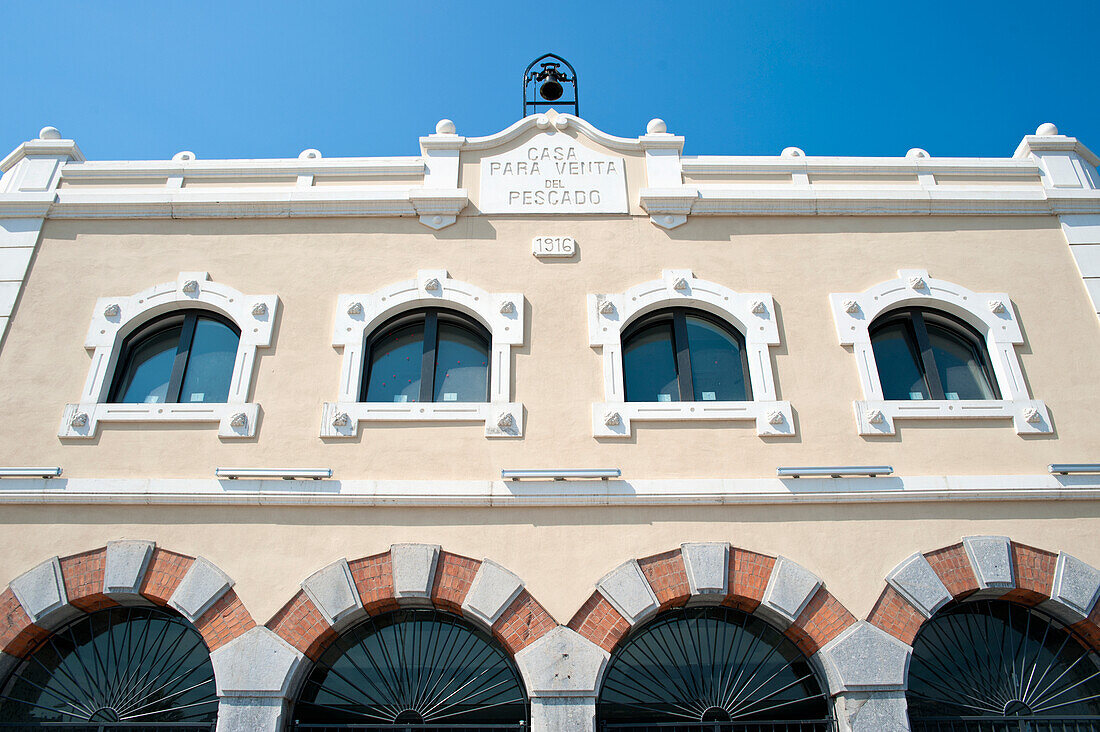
pixel 614 419
pixel 1029 416
pixel 81 421
pixel 341 419
pixel 661 492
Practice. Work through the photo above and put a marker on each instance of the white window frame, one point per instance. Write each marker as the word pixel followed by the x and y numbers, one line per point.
pixel 117 317
pixel 361 314
pixel 990 313
pixel 752 314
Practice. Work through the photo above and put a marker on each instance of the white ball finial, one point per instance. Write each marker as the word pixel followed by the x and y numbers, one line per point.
pixel 184 155
pixel 444 127
pixel 311 153
pixel 916 152
pixel 1047 129
pixel 656 126
pixel 793 152
pixel 49 133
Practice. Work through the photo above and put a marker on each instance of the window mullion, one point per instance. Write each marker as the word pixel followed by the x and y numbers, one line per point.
pixel 179 365
pixel 683 357
pixel 427 365
pixel 928 359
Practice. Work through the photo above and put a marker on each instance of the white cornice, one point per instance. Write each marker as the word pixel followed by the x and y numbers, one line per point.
pixel 668 492
pixel 552 120
pixel 1055 143
pixel 123 170
pixel 748 165
pixel 43 148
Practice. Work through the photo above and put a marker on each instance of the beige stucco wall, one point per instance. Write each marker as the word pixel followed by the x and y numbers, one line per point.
pixel 558 552
pixel 556 375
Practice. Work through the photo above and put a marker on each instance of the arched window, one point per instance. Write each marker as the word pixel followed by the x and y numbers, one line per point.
pixel 684 355
pixel 431 355
pixel 136 665
pixel 184 357
pixel 999 664
pixel 711 664
pixel 421 668
pixel 928 354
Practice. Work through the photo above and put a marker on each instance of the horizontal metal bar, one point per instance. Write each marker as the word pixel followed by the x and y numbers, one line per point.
pixel 1067 468
pixel 268 473
pixel 30 472
pixel 836 471
pixel 601 473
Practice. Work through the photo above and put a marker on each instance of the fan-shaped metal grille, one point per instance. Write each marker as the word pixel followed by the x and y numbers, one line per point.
pixel 413 667
pixel 709 664
pixel 123 664
pixel 991 658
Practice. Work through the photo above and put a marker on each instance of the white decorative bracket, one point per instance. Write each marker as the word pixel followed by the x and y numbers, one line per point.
pixel 117 317
pixel 749 313
pixel 358 315
pixel 988 313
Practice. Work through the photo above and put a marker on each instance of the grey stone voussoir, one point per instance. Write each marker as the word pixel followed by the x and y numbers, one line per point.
pixel 707 564
pixel 491 592
pixel 562 663
pixel 790 588
pixel 872 712
pixel 332 590
pixel 561 713
pixel 202 586
pixel 865 658
pixel 991 559
pixel 41 592
pixel 124 569
pixel 257 663
pixel 1075 591
pixel 917 582
pixel 251 714
pixel 413 571
pixel 628 591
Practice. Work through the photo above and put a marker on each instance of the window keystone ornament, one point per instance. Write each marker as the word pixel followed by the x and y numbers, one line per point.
pixel 606 307
pixel 112 310
pixel 80 419
pixel 431 284
pixel 240 419
pixel 996 306
pixel 506 421
pixel 874 416
pixel 917 283
pixel 680 284
pixel 191 287
pixel 776 417
pixel 612 419
pixel 259 310
pixel 340 420
pixel 851 307
pixel 356 308
pixel 1032 415
pixel 759 308
pixel 507 307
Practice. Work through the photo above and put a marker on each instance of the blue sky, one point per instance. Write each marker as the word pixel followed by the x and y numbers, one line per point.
pixel 269 79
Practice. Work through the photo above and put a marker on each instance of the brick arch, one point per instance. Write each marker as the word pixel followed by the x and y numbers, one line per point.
pixel 410 575
pixel 989 567
pixel 782 592
pixel 122 573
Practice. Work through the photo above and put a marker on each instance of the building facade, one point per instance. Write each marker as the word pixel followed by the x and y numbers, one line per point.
pixel 795 404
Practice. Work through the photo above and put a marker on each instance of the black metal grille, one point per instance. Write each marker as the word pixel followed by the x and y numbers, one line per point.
pixel 409 727
pixel 821 725
pixel 1009 724
pixel 107 727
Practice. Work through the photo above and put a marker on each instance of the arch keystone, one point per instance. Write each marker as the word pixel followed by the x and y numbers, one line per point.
pixel 414 567
pixel 790 588
pixel 124 567
pixel 628 591
pixel 991 559
pixel 865 658
pixel 707 565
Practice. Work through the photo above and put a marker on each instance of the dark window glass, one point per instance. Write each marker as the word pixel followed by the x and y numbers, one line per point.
pixel 395 365
pixel 123 664
pixel 716 362
pixel 926 354
pixel 425 356
pixel 182 357
pixel 418 667
pixel 649 365
pixel 711 664
pixel 992 659
pixel 684 355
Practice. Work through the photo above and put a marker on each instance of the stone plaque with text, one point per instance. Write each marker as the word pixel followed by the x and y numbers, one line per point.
pixel 553 173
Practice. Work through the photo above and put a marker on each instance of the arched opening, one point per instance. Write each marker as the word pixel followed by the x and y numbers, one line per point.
pixel 711 668
pixel 419 668
pixel 129 667
pixel 997 665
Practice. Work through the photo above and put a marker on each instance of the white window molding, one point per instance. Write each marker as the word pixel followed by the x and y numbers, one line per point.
pixel 359 315
pixel 990 313
pixel 753 314
pixel 116 317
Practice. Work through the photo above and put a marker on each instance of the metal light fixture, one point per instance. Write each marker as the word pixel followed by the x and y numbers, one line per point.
pixel 1073 468
pixel 30 473
pixel 274 473
pixel 836 471
pixel 602 474
pixel 546 85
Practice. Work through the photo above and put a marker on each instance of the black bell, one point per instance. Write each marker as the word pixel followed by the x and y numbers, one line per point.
pixel 550 91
